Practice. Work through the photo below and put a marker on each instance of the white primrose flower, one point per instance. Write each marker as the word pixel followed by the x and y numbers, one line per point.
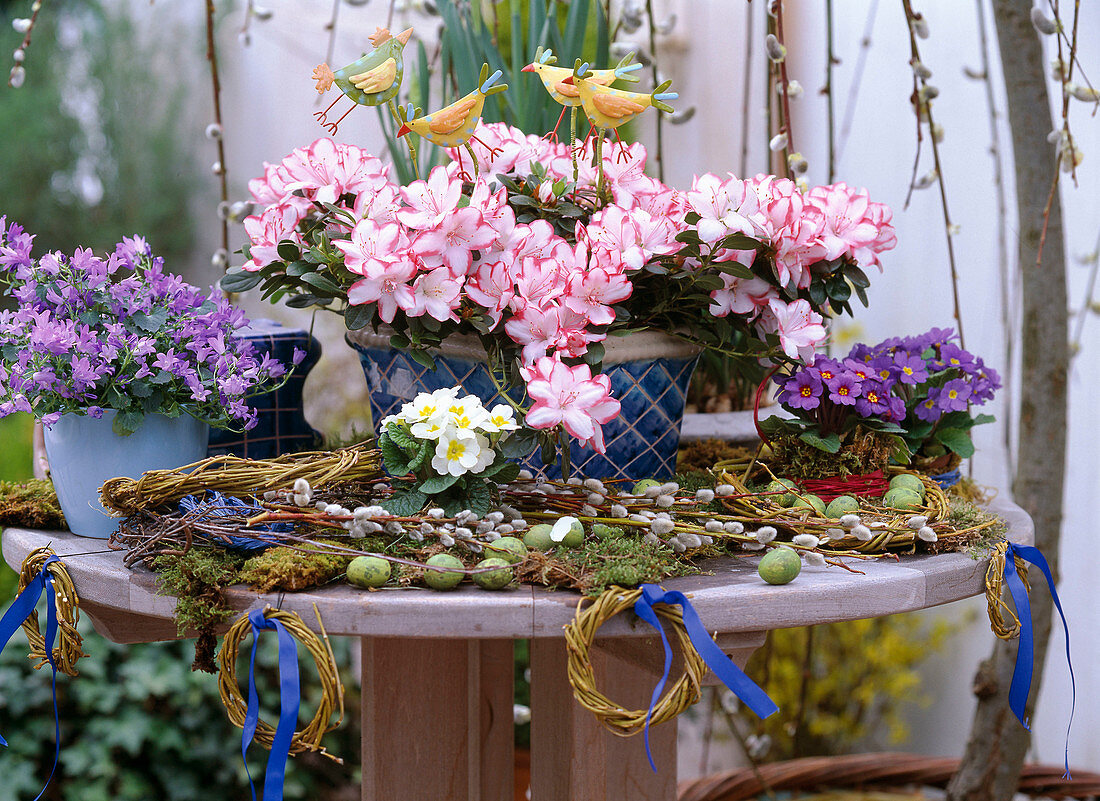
pixel 433 428
pixel 457 452
pixel 500 418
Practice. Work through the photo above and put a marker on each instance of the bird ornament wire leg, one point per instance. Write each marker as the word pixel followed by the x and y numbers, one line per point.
pixel 322 116
pixel 332 126
pixel 553 135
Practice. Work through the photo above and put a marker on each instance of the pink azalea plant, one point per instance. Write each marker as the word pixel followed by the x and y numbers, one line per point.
pixel 544 267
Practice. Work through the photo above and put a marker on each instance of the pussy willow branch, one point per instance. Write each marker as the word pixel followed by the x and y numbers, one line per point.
pixel 212 57
pixel 830 62
pixel 1086 304
pixel 35 8
pixel 769 98
pixel 784 97
pixel 1066 73
pixel 926 107
pixel 1007 274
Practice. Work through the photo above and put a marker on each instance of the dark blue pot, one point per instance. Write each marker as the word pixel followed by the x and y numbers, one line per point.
pixel 282 426
pixel 649 376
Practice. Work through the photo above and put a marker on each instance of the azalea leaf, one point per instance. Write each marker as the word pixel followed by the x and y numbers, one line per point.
pixel 520 445
pixel 239 281
pixel 321 282
pixel 506 473
pixel 304 301
pixel 734 268
pixel 288 251
pixel 357 317
pixel 422 357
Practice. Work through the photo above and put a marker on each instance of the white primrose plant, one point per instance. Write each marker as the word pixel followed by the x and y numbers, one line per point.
pixel 451 448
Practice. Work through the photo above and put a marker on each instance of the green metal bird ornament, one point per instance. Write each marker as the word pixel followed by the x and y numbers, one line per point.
pixel 371 80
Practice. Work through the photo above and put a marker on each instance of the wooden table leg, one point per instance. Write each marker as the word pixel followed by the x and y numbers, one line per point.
pixel 573 756
pixel 437 720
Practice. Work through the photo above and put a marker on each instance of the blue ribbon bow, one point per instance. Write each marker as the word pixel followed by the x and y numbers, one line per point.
pixel 22 608
pixel 730 675
pixel 1025 655
pixel 290 697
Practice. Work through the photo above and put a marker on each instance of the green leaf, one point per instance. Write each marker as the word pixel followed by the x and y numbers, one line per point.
pixel 402 439
pixel 288 251
pixel 595 353
pixel 422 357
pixel 304 301
pixel 506 472
pixel 900 449
pixel 856 275
pixel 322 282
pixel 817 293
pixel 708 282
pixel 829 444
pixel 423 455
pixel 775 425
pixel 296 269
pixel 957 440
pixel 838 289
pixel 240 281
pixel 395 460
pixel 520 445
pixel 981 419
pixel 734 268
pixel 126 423
pixel 405 502
pixel 357 317
pixel 739 242
pixel 479 499
pixel 436 484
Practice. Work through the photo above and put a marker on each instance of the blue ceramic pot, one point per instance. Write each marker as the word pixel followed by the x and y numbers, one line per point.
pixel 281 426
pixel 649 375
pixel 85 452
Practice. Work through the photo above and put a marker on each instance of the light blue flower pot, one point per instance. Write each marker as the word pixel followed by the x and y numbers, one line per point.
pixel 85 452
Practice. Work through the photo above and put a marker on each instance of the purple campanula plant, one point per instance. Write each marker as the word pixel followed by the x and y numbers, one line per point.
pixel 918 390
pixel 92 333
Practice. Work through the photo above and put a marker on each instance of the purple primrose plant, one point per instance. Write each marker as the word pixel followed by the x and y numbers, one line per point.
pixel 918 389
pixel 120 333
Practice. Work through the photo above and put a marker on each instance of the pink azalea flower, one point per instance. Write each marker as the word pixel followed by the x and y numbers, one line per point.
pixel 570 397
pixel 267 230
pixel 453 239
pixel 852 225
pixel 536 329
pixel 388 287
pixel 373 248
pixel 327 169
pixel 724 207
pixel 800 328
pixel 436 293
pixel 592 293
pixel 740 296
pixel 430 202
pixel 492 288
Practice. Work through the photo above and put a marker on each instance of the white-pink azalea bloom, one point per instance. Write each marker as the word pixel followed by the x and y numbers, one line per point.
pixel 799 327
pixel 571 397
pixel 740 296
pixel 429 202
pixel 373 247
pixel 724 207
pixel 267 230
pixel 388 287
pixel 436 293
pixel 593 292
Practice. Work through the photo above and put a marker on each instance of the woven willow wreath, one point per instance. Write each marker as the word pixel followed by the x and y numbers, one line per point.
pixel 581 633
pixel 994 587
pixel 332 698
pixel 68 613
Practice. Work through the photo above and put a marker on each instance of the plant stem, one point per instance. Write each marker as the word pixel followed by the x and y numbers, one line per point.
pixel 746 77
pixel 785 98
pixel 656 82
pixel 830 61
pixel 212 57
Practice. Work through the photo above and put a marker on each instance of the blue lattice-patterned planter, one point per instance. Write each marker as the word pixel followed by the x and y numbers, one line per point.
pixel 649 375
pixel 282 426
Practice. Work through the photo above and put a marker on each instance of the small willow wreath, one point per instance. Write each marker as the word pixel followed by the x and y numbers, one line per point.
pixel 332 698
pixel 994 588
pixel 68 613
pixel 581 633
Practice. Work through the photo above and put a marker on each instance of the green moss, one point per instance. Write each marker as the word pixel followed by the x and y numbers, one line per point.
pixel 626 561
pixel 292 570
pixel 861 451
pixel 197 580
pixel 32 504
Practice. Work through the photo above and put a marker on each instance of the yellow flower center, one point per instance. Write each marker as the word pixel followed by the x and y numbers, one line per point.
pixel 807 392
pixel 456 450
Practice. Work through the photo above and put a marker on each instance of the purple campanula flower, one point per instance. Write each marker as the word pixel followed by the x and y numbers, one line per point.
pixel 804 390
pixel 954 395
pixel 844 388
pixel 910 369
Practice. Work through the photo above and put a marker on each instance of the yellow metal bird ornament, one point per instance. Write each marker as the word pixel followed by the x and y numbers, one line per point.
pixel 371 80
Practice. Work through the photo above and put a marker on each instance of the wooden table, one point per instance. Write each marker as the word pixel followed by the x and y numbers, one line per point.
pixel 451 739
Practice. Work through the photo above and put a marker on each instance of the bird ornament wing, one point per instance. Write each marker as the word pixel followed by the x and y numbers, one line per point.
pixel 376 79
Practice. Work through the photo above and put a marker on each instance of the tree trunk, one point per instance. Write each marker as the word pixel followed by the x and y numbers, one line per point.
pixel 998 743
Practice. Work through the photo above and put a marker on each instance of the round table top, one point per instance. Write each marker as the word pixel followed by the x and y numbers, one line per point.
pixel 730 598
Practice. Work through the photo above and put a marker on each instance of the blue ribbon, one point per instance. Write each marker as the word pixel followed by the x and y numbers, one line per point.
pixel 290 697
pixel 1025 655
pixel 730 675
pixel 22 608
pixel 948 479
pixel 215 504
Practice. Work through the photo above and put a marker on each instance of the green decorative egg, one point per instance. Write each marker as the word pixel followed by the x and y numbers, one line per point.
pixel 902 498
pixel 574 537
pixel 602 531
pixel 809 502
pixel 780 566
pixel 493 579
pixel 641 486
pixel 368 571
pixel 778 486
pixel 908 481
pixel 841 505
pixel 537 538
pixel 444 580
pixel 510 549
